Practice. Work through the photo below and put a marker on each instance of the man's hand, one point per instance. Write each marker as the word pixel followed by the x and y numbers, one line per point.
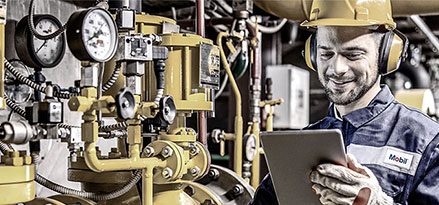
pixel 353 185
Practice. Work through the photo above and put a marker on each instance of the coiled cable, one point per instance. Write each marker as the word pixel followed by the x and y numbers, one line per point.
pixel 34 32
pixel 14 107
pixel 41 88
pixel 113 78
pixel 117 126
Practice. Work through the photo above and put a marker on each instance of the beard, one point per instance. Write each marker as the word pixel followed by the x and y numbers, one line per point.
pixel 344 96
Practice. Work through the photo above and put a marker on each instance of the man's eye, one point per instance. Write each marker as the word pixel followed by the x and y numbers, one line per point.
pixel 353 56
pixel 326 55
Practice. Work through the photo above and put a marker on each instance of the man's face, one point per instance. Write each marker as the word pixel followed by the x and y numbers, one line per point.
pixel 347 62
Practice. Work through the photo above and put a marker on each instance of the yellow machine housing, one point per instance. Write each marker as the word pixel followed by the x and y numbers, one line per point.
pixel 183 69
pixel 17 178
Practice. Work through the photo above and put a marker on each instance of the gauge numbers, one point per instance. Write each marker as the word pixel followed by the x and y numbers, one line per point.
pixel 47 51
pixel 99 34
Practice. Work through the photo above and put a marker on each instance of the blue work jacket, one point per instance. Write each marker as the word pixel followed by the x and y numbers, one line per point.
pixel 398 143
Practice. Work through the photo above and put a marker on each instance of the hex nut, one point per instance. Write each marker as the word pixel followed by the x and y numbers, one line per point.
pixel 167 173
pixel 149 151
pixel 194 150
pixel 195 171
pixel 166 152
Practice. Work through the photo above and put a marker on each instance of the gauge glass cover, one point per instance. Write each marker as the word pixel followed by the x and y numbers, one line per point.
pixel 250 147
pixel 99 35
pixel 47 51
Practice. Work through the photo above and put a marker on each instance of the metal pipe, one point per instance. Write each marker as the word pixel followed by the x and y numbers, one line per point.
pixel 134 162
pixel 238 115
pixel 200 18
pixel 255 99
pixel 299 9
pixel 201 30
pixel 147 193
pixel 419 22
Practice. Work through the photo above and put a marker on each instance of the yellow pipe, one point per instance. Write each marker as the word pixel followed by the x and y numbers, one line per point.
pixel 270 119
pixel 238 117
pixel 133 162
pixel 186 73
pixel 147 188
pixel 256 161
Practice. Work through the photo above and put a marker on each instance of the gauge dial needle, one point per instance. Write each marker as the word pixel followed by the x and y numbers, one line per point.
pixel 41 46
pixel 97 33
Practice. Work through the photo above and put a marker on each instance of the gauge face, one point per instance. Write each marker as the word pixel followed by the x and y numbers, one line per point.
pixel 35 52
pixel 250 147
pixel 16 91
pixel 99 34
pixel 47 51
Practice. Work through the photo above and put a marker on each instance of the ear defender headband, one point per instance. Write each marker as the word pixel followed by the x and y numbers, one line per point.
pixel 392 51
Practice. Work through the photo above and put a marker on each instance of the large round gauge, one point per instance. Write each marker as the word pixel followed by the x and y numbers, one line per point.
pixel 15 90
pixel 35 52
pixel 250 146
pixel 92 35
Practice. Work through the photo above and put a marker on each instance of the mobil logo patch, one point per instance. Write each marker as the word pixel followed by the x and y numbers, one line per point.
pixel 398 158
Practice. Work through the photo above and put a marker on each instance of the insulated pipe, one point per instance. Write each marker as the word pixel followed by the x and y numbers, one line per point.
pixel 299 9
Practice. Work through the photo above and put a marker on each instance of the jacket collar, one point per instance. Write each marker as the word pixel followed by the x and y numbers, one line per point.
pixel 361 116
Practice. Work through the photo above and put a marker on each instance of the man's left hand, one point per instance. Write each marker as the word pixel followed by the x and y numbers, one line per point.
pixel 355 184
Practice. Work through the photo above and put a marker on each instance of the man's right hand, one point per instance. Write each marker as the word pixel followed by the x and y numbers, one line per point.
pixel 355 184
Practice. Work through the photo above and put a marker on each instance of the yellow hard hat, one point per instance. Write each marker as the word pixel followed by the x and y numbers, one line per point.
pixel 350 13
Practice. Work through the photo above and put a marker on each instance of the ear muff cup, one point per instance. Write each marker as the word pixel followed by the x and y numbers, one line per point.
pixel 311 52
pixel 392 51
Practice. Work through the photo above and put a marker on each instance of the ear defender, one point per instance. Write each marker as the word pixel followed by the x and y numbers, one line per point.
pixel 310 52
pixel 393 51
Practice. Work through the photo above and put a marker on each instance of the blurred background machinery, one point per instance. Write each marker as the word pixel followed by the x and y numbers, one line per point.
pixel 162 102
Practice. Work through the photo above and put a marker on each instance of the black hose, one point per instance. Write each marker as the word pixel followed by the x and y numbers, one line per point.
pixel 32 25
pixel 117 126
pixel 113 78
pixel 41 88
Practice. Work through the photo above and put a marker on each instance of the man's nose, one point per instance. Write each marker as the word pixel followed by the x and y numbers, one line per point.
pixel 340 66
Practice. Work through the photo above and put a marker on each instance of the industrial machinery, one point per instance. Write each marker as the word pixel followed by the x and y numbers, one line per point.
pixel 127 87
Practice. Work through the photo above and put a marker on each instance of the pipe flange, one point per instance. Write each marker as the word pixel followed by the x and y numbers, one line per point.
pixel 199 158
pixel 173 169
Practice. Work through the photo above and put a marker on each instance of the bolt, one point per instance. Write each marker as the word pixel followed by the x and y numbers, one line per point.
pixel 133 53
pixel 167 173
pixel 195 171
pixel 73 157
pixel 213 174
pixel 238 190
pixel 149 151
pixel 166 152
pixel 194 150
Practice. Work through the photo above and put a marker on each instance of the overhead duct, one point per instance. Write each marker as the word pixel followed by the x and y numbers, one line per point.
pixel 299 9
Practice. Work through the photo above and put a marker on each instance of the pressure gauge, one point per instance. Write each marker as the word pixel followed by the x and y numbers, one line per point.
pixel 92 35
pixel 15 90
pixel 250 146
pixel 35 52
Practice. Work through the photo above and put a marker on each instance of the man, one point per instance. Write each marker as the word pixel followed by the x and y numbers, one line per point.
pixel 393 150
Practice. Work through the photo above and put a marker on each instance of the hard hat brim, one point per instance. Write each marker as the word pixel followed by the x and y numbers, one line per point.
pixel 345 22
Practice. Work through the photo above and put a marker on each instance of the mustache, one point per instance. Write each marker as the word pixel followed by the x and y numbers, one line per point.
pixel 340 78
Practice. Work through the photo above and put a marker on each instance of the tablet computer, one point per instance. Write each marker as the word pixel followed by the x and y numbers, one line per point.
pixel 292 155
